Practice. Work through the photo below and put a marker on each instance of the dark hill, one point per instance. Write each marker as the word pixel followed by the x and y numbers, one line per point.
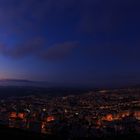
pixel 13 133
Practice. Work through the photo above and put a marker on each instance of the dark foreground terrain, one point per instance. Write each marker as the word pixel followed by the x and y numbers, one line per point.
pixel 13 133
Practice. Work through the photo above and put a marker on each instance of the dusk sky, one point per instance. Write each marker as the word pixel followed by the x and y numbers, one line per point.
pixel 72 42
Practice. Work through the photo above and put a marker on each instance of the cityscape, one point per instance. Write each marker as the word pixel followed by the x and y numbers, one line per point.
pixel 70 69
pixel 98 113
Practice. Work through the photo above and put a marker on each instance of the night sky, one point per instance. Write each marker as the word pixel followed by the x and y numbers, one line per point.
pixel 71 42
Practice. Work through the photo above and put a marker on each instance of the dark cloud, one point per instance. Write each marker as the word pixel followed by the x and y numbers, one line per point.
pixel 36 47
pixel 93 16
pixel 59 51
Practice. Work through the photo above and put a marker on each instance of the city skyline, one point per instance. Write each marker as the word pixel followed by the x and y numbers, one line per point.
pixel 71 42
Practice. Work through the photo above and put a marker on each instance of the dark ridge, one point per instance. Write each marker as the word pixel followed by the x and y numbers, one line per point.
pixel 15 80
pixel 18 91
pixel 14 133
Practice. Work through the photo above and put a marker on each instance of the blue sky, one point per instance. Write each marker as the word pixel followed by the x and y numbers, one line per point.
pixel 73 42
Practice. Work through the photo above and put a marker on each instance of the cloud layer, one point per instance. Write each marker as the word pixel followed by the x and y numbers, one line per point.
pixel 23 48
pixel 37 48
pixel 59 51
pixel 101 20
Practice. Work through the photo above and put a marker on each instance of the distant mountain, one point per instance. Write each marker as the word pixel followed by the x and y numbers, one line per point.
pixel 30 83
pixel 15 80
pixel 23 82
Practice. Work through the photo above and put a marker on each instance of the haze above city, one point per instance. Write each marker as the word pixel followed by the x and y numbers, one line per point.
pixel 71 42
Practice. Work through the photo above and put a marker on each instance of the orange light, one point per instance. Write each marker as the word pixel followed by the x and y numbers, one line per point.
pixel 50 118
pixel 13 115
pixel 21 115
pixel 43 125
pixel 109 117
pixel 137 115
